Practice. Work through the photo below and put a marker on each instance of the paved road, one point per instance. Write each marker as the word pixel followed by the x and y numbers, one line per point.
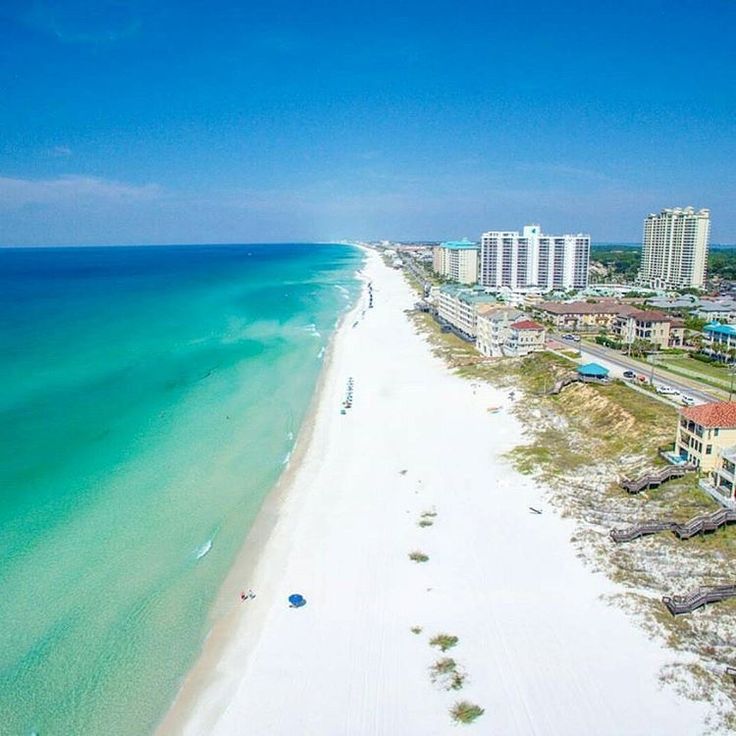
pixel 623 363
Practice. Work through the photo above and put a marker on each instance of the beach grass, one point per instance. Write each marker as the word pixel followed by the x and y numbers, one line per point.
pixel 418 556
pixel 425 522
pixel 416 630
pixel 445 672
pixel 466 712
pixel 443 641
pixel 444 666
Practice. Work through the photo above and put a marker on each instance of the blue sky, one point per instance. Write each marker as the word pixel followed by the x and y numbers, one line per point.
pixel 128 121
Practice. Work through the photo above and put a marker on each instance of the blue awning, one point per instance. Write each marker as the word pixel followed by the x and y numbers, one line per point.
pixel 593 369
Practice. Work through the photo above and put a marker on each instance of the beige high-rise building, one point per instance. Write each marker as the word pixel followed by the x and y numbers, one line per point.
pixel 457 260
pixel 675 248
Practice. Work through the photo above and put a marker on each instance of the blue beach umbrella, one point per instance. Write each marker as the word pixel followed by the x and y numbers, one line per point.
pixel 296 600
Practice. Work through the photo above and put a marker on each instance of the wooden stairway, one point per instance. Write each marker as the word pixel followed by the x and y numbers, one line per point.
pixel 655 478
pixel 697 525
pixel 678 604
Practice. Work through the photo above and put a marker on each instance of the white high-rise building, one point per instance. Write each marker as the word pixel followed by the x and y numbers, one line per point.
pixel 675 248
pixel 530 258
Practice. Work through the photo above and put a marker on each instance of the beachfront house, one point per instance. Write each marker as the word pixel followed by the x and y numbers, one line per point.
pixel 706 437
pixel 457 307
pixel 704 432
pixel 492 328
pixel 524 336
pixel 721 483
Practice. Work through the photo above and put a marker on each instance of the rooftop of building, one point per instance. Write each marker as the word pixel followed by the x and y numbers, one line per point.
pixel 579 307
pixel 681 211
pixel 688 301
pixel 644 315
pixel 724 305
pixel 463 244
pixel 526 324
pixel 498 311
pixel 474 294
pixel 592 369
pixel 604 307
pixel 721 414
pixel 720 329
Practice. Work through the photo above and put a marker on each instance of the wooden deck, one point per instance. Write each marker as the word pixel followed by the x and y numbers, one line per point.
pixel 679 604
pixel 697 525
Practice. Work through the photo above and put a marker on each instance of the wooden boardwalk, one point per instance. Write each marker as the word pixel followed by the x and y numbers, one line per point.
pixel 678 604
pixel 655 478
pixel 697 525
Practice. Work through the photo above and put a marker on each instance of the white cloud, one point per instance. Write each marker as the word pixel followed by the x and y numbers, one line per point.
pixel 72 190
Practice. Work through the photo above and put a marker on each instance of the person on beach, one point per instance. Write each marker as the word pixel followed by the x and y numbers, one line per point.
pixel 242 596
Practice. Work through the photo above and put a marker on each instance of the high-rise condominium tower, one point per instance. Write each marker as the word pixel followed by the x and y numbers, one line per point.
pixel 531 258
pixel 675 248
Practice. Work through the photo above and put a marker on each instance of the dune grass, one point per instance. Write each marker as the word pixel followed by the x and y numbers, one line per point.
pixel 443 641
pixel 466 712
pixel 418 556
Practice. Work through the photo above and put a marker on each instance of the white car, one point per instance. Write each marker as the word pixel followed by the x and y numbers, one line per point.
pixel 688 400
pixel 667 391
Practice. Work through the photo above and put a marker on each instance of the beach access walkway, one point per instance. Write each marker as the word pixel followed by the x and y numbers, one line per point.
pixel 679 604
pixel 655 478
pixel 701 524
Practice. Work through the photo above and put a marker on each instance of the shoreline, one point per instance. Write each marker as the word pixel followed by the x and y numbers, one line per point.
pixel 224 615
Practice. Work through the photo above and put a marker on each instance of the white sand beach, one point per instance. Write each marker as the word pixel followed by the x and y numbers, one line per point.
pixel 543 652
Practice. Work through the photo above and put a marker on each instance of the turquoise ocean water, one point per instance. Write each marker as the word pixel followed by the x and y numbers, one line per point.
pixel 148 400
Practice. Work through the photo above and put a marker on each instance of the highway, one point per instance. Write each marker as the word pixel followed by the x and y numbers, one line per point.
pixel 619 363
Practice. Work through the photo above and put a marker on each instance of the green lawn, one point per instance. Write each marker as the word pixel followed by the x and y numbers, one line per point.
pixel 717 373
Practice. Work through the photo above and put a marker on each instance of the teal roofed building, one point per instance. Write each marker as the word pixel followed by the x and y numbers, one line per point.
pixel 459 244
pixel 457 260
pixel 457 306
pixel 719 339
pixel 592 372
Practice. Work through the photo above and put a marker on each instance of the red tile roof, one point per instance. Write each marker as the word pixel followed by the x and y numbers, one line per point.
pixel 526 324
pixel 642 315
pixel 720 414
pixel 578 308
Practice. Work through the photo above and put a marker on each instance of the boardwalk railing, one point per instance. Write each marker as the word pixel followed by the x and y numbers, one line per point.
pixel 697 525
pixel 655 478
pixel 678 604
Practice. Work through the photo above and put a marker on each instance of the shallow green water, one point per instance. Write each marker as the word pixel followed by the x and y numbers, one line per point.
pixel 148 400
